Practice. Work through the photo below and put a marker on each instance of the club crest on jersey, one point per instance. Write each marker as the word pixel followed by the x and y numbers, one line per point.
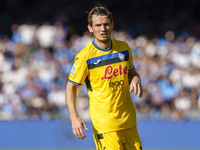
pixel 121 56
pixel 73 70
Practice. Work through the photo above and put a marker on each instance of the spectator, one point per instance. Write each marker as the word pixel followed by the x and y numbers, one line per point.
pixel 27 33
pixel 45 35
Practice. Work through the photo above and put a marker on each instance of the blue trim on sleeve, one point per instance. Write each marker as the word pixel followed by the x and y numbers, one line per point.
pixel 74 82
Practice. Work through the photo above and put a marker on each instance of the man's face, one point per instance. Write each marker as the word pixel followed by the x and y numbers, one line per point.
pixel 101 28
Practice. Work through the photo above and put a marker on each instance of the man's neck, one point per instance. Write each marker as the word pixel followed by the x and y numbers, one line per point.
pixel 103 45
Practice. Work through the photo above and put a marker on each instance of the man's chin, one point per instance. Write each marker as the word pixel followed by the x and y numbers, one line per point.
pixel 105 40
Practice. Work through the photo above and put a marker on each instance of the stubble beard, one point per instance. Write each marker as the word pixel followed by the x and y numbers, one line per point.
pixel 105 41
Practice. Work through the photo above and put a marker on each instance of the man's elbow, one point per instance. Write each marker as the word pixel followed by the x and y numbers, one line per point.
pixel 71 86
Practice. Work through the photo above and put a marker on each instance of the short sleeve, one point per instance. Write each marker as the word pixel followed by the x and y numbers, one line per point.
pixel 131 64
pixel 130 55
pixel 79 70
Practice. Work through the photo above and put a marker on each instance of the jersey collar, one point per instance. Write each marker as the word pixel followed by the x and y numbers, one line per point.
pixel 100 47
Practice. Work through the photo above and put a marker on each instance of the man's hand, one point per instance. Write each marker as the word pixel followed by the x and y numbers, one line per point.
pixel 77 125
pixel 136 86
pixel 135 83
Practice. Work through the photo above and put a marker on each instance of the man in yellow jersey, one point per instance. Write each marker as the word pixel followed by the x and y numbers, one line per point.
pixel 106 66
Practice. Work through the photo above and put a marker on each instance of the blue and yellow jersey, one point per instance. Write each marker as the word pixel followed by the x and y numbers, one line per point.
pixel 105 73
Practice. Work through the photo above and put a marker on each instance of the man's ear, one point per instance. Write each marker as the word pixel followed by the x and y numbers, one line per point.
pixel 90 28
pixel 112 25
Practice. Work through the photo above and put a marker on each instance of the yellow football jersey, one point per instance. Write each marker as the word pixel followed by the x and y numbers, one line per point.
pixel 105 73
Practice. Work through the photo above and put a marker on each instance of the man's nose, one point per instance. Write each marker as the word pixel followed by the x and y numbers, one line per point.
pixel 103 27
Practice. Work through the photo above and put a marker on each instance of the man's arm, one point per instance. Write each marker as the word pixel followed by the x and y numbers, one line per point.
pixel 77 122
pixel 135 82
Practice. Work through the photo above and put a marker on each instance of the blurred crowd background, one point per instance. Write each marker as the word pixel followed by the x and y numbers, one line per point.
pixel 39 40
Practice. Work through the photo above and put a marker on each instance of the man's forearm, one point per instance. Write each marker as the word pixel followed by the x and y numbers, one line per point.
pixel 70 95
pixel 133 74
pixel 77 123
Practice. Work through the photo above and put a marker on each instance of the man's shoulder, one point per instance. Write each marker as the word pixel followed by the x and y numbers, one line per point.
pixel 86 50
pixel 120 43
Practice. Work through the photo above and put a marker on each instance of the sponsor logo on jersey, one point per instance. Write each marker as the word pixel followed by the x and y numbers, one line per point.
pixel 97 62
pixel 116 86
pixel 110 72
pixel 73 70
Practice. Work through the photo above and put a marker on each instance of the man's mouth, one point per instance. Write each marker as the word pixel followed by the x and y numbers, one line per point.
pixel 104 35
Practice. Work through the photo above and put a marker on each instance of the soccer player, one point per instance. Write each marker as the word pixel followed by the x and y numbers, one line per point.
pixel 106 66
